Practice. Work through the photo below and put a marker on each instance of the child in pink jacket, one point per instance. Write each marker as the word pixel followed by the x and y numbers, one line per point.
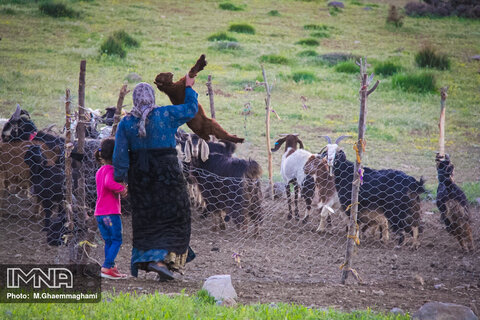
pixel 108 209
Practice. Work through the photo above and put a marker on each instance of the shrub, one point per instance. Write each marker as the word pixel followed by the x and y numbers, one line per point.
pixel 334 10
pixel 57 9
pixel 125 39
pixel 242 28
pixel 229 6
pixel 307 53
pixel 416 83
pixel 8 11
pixel 315 27
pixel 221 36
pixel 273 13
pixel 394 16
pixel 387 68
pixel 274 58
pixel 308 42
pixel 304 76
pixel 347 67
pixel 428 58
pixel 320 34
pixel 113 46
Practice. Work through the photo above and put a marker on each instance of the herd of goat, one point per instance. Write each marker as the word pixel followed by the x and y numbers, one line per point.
pixel 229 188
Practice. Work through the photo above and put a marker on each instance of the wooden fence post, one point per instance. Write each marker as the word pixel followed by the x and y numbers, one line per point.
pixel 210 96
pixel 118 111
pixel 68 173
pixel 359 147
pixel 441 124
pixel 267 133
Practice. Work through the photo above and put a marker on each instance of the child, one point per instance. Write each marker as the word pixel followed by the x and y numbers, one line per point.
pixel 108 208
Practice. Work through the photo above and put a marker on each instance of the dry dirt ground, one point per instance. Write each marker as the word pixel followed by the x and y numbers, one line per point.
pixel 287 262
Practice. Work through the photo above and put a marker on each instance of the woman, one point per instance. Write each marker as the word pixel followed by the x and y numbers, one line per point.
pixel 146 158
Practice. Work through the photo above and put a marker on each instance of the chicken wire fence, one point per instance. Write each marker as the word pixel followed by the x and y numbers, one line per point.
pixel 238 228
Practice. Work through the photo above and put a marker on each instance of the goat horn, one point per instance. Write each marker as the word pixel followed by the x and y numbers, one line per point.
pixel 341 138
pixel 283 134
pixel 16 114
pixel 321 151
pixel 328 139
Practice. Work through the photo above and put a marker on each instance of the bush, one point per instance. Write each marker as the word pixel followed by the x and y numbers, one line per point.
pixel 242 28
pixel 57 10
pixel 307 53
pixel 308 42
pixel 416 83
pixel 320 34
pixel 8 11
pixel 229 6
pixel 337 57
pixel 221 36
pixel 395 17
pixel 428 58
pixel 387 68
pixel 304 76
pixel 273 13
pixel 334 11
pixel 274 58
pixel 315 27
pixel 125 39
pixel 347 67
pixel 113 46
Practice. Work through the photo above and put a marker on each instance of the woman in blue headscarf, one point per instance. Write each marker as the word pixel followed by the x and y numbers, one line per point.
pixel 146 158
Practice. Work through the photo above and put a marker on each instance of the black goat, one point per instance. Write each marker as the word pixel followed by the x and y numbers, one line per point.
pixel 228 186
pixel 453 205
pixel 47 184
pixel 392 192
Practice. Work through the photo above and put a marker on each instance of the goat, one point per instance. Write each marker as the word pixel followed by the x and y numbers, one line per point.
pixel 200 124
pixel 229 186
pixel 47 182
pixel 291 169
pixel 453 205
pixel 391 192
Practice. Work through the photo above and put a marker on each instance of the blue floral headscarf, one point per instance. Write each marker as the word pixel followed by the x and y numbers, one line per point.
pixel 143 104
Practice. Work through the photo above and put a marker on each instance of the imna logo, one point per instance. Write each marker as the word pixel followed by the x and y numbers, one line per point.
pixel 53 278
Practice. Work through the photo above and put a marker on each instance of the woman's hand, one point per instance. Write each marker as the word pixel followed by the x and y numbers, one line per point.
pixel 189 82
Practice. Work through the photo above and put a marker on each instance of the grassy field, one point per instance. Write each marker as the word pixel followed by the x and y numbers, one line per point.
pixel 158 306
pixel 40 58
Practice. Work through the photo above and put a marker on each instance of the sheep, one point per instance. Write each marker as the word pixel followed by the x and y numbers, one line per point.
pixel 200 124
pixel 392 192
pixel 453 205
pixel 229 186
pixel 292 171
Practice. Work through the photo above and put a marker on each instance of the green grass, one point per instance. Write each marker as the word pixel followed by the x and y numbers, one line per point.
pixel 427 57
pixel 387 68
pixel 229 6
pixel 308 42
pixel 304 76
pixel 57 9
pixel 274 58
pixel 113 47
pixel 274 13
pixel 158 306
pixel 221 36
pixel 315 27
pixel 423 82
pixel 124 38
pixel 40 57
pixel 242 28
pixel 347 67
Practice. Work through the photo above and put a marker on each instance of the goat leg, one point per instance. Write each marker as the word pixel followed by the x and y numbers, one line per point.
pixel 296 191
pixel 289 201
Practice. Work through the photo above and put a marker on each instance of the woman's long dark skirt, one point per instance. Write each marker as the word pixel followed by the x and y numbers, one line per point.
pixel 160 205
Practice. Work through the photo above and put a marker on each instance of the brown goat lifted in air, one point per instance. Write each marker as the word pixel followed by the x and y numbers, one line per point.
pixel 200 124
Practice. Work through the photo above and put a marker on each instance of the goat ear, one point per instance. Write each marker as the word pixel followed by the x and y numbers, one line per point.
pixel 300 143
pixel 278 144
pixel 204 150
pixel 187 151
pixel 16 115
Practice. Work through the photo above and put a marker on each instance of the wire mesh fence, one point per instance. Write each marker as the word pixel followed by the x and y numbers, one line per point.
pixel 238 228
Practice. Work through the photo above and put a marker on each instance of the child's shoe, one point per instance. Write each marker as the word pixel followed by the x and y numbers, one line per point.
pixel 112 273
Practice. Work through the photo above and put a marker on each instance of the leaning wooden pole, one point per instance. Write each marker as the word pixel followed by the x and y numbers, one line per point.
pixel 352 237
pixel 267 133
pixel 441 124
pixel 210 96
pixel 118 111
pixel 68 171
